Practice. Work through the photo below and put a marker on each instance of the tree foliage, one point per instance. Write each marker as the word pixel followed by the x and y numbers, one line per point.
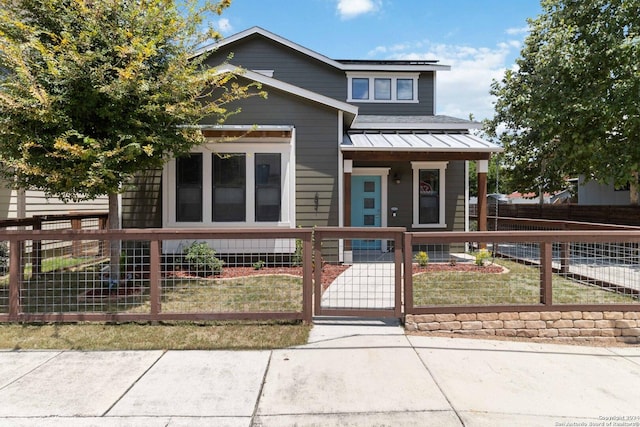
pixel 572 103
pixel 93 91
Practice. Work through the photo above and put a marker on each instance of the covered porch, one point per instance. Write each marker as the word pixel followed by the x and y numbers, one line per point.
pixel 418 179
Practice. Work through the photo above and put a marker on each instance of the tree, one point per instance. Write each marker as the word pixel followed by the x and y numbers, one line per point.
pixel 92 92
pixel 571 104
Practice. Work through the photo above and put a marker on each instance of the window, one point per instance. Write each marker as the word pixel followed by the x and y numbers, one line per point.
pixel 229 187
pixel 382 87
pixel 404 89
pixel 248 183
pixel 189 188
pixel 360 89
pixel 268 179
pixel 429 194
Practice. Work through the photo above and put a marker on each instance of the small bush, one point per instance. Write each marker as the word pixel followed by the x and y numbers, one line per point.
pixel 4 257
pixel 202 260
pixel 482 256
pixel 258 265
pixel 422 258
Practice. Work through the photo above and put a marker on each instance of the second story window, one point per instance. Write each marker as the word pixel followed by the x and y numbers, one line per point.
pixel 382 87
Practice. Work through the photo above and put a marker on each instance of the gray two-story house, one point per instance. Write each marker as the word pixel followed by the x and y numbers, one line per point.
pixel 336 143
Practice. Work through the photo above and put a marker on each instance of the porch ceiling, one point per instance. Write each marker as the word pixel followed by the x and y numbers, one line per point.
pixel 417 142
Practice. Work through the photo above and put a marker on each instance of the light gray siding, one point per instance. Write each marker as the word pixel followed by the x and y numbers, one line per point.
pixel 593 193
pixel 37 203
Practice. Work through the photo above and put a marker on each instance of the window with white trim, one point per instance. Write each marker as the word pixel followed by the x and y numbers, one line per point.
pixel 429 194
pixel 382 87
pixel 240 184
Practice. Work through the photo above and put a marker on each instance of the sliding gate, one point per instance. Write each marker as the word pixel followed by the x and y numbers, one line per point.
pixel 358 281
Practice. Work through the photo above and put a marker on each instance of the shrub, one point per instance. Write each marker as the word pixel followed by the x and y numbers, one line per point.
pixel 422 258
pixel 258 265
pixel 4 257
pixel 202 260
pixel 482 256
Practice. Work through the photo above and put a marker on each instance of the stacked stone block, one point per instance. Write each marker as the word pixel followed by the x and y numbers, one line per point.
pixel 608 327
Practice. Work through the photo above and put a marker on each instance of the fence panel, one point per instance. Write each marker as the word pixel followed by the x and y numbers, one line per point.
pixel 361 271
pixel 522 271
pixel 160 275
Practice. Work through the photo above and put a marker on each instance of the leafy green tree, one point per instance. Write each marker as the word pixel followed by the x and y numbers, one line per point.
pixel 571 105
pixel 92 92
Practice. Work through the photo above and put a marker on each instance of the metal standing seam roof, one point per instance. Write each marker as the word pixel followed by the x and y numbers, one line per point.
pixel 416 141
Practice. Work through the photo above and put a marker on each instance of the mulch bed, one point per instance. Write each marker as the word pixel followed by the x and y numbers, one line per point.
pixel 329 272
pixel 457 268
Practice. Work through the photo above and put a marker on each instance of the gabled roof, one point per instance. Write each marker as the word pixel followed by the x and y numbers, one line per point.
pixel 351 111
pixel 345 65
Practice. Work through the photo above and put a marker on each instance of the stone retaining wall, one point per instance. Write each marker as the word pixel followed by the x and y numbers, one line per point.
pixel 608 327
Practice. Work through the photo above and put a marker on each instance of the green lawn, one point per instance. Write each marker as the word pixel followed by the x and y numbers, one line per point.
pixel 520 285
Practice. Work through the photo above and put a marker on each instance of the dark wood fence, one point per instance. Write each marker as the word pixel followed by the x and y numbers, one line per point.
pixel 622 215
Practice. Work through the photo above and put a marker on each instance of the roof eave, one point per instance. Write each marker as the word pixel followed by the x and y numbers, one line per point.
pixel 313 54
pixel 351 110
pixel 416 126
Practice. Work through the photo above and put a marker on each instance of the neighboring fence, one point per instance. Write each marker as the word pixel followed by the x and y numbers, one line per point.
pixel 71 221
pixel 603 214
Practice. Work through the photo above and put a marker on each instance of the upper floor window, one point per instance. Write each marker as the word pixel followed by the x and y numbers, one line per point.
pixel 382 87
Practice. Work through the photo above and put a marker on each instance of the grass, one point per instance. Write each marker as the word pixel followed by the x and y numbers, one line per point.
pixel 520 285
pixel 59 292
pixel 165 336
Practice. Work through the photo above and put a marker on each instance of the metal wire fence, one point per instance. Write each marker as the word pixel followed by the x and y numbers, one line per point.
pixel 193 275
pixel 523 270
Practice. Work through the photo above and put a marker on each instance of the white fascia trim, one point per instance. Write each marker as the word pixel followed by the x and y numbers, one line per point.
pixel 286 87
pixel 417 126
pixel 394 67
pixel 272 36
pixel 422 149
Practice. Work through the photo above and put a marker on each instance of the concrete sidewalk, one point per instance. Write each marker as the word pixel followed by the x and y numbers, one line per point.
pixel 351 373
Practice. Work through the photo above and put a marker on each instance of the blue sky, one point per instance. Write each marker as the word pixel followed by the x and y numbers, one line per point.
pixel 478 38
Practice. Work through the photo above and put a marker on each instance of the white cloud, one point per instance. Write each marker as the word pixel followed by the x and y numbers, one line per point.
pixel 517 31
pixel 465 89
pixel 224 26
pixel 348 9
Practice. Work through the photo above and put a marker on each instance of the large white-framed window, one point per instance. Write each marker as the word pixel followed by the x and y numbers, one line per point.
pixel 429 194
pixel 382 87
pixel 231 184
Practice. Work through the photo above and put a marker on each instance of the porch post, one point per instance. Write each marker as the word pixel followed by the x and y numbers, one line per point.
pixel 348 169
pixel 483 168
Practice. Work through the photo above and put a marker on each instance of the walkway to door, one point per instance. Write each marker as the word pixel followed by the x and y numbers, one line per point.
pixel 362 286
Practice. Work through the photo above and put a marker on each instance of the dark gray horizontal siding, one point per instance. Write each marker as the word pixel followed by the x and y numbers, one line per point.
pixel 142 201
pixel 401 195
pixel 316 150
pixel 455 202
pixel 288 65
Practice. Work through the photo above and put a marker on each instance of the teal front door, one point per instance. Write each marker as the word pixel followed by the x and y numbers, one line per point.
pixel 366 207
